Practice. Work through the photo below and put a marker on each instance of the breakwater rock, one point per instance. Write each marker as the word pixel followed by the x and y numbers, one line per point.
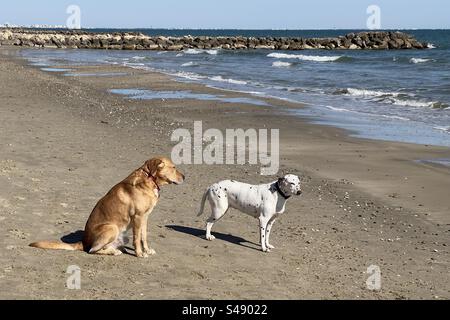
pixel 379 40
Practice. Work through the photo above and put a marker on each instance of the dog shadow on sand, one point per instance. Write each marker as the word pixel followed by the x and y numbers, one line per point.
pixel 200 233
pixel 73 237
pixel 77 236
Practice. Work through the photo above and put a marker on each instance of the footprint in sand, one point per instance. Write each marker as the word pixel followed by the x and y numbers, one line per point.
pixel 7 166
pixel 19 234
pixel 4 203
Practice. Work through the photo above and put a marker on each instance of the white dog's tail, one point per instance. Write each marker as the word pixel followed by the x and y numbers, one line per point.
pixel 202 205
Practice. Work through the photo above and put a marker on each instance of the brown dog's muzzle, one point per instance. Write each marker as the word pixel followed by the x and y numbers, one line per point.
pixel 181 178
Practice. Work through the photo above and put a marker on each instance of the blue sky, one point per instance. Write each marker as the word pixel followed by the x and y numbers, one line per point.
pixel 235 14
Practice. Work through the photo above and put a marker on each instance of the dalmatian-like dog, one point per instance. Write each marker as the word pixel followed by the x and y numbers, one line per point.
pixel 264 202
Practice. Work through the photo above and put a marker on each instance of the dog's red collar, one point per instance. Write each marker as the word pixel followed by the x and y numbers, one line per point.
pixel 156 183
pixel 158 188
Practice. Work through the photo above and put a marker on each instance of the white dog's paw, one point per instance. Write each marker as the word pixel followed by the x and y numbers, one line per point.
pixel 266 250
pixel 150 251
pixel 270 246
pixel 210 237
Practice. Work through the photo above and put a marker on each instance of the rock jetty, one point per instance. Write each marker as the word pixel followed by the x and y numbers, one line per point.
pixel 379 40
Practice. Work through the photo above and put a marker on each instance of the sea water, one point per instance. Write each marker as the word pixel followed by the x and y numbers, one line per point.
pixel 397 95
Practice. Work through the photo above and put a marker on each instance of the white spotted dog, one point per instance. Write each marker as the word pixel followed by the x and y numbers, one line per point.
pixel 265 202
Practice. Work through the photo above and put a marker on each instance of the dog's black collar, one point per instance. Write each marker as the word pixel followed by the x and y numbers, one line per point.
pixel 277 186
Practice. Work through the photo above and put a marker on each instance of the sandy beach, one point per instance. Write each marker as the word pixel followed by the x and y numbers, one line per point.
pixel 65 141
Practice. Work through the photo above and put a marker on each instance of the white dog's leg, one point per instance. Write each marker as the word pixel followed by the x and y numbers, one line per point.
pixel 217 214
pixel 209 226
pixel 269 228
pixel 219 206
pixel 263 221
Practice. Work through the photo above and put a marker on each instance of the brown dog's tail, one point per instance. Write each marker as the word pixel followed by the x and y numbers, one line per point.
pixel 58 245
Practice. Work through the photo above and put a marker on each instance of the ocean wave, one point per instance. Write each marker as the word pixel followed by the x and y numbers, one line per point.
pixel 187 75
pixel 254 93
pixel 139 58
pixel 395 98
pixel 395 117
pixel 133 64
pixel 431 46
pixel 370 114
pixel 304 57
pixel 281 64
pixel 232 81
pixel 189 64
pixel 338 109
pixel 419 60
pixel 419 104
pixel 366 93
pixel 200 51
pixel 445 129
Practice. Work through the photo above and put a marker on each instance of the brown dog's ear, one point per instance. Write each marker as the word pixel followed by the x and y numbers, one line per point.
pixel 152 166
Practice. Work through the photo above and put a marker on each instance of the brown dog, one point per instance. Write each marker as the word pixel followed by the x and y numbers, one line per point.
pixel 125 206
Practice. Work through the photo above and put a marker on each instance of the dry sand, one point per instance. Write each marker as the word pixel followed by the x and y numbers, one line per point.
pixel 65 141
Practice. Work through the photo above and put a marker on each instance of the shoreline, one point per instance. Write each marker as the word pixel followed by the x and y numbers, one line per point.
pixel 358 208
pixel 373 113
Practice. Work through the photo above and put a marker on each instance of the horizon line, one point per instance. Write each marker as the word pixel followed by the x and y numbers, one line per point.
pixel 34 26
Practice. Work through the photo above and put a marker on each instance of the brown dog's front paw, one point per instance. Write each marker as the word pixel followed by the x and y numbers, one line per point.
pixel 141 254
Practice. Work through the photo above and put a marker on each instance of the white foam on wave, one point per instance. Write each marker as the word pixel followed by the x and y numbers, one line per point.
pixel 369 93
pixel 138 66
pixel 370 114
pixel 232 81
pixel 188 75
pixel 134 64
pixel 395 117
pixel 413 103
pixel 338 109
pixel 394 98
pixel 419 60
pixel 431 46
pixel 139 58
pixel 254 93
pixel 281 64
pixel 200 51
pixel 189 64
pixel 304 57
pixel 445 129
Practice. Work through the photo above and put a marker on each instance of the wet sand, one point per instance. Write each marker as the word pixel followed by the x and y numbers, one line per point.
pixel 66 141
